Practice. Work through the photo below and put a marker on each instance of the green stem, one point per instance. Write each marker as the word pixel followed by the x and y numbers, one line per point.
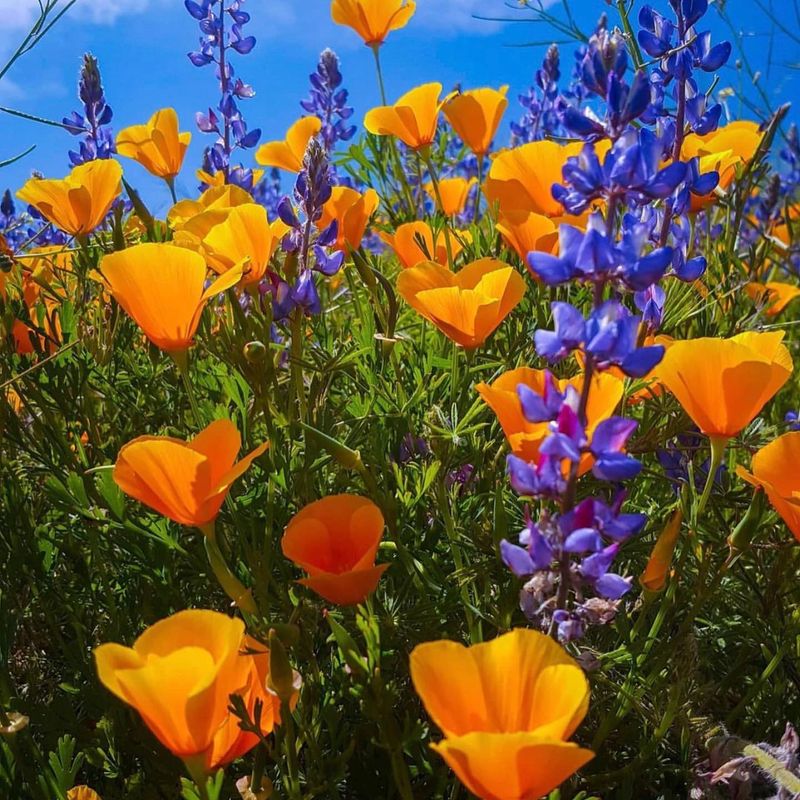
pixel 230 584
pixel 290 740
pixel 197 772
pixel 476 211
pixel 181 359
pixel 435 181
pixel 171 184
pixel 376 51
pixel 299 407
pixel 718 445
pixel 631 36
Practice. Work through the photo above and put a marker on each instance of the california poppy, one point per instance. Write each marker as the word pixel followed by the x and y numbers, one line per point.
pixel 185 481
pixel 335 541
pixel 82 793
pixel 774 468
pixel 521 179
pixel 524 438
pixel 352 211
pixel 506 708
pixel 218 198
pixel 288 154
pixel 527 231
pixel 467 305
pixel 158 146
pixel 412 119
pixel 179 676
pixel 721 151
pixel 373 20
pixel 775 295
pixel 723 384
pixel 162 288
pixel 243 236
pixel 78 203
pixel 475 116
pixel 415 242
pixel 454 193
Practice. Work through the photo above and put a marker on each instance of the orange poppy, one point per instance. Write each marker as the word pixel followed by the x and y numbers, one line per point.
pixel 412 119
pixel 179 676
pixel 527 231
pixel 415 242
pixel 352 211
pixel 218 198
pixel 654 577
pixel 288 154
pixel 78 203
pixel 506 709
pixel 373 20
pixel 774 468
pixel 243 236
pixel 723 384
pixel 722 151
pixel 475 116
pixel 158 146
pixel 162 288
pixel 335 541
pixel 524 438
pixel 454 193
pixel 521 179
pixel 775 295
pixel 82 793
pixel 185 481
pixel 467 305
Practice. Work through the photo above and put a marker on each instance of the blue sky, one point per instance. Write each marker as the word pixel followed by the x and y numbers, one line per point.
pixel 142 50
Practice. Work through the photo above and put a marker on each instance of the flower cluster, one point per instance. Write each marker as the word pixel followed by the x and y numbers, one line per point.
pixel 92 123
pixel 226 121
pixel 312 190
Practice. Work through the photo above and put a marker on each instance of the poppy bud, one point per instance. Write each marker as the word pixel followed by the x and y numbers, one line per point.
pixel 255 352
pixel 281 674
pixel 743 533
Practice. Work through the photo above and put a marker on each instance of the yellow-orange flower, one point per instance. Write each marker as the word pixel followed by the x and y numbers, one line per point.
pixel 412 119
pixel 774 468
pixel 506 709
pixel 723 384
pixel 526 231
pixel 78 203
pixel 158 146
pixel 162 288
pixel 218 198
pixel 352 211
pixel 243 237
pixel 82 793
pixel 335 541
pixel 179 676
pixel 454 193
pixel 373 20
pixel 185 481
pixel 288 154
pixel 722 151
pixel 521 179
pixel 775 295
pixel 467 305
pixel 475 116
pixel 524 438
pixel 415 242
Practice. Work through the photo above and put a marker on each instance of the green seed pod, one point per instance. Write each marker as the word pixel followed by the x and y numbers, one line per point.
pixel 254 352
pixel 281 674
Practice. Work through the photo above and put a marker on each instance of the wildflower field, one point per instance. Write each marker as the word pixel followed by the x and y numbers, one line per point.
pixel 446 450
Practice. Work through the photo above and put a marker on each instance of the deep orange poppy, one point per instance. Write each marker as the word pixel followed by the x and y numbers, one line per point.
pixel 373 20
pixel 415 242
pixel 335 541
pixel 774 468
pixel 413 119
pixel 475 116
pixel 527 231
pixel 185 481
pixel 352 211
pixel 158 146
pixel 288 154
pixel 454 193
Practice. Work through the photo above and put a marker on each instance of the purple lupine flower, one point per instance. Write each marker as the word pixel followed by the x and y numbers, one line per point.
pixel 217 42
pixel 93 123
pixel 328 102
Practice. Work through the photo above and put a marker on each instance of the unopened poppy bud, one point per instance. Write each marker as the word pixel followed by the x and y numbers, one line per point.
pixel 13 722
pixel 742 536
pixel 344 455
pixel 281 674
pixel 255 352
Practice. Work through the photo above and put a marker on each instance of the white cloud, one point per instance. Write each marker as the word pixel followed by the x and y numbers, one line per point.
pixel 18 15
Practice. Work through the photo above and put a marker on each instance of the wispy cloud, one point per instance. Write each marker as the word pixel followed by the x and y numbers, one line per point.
pixel 20 14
